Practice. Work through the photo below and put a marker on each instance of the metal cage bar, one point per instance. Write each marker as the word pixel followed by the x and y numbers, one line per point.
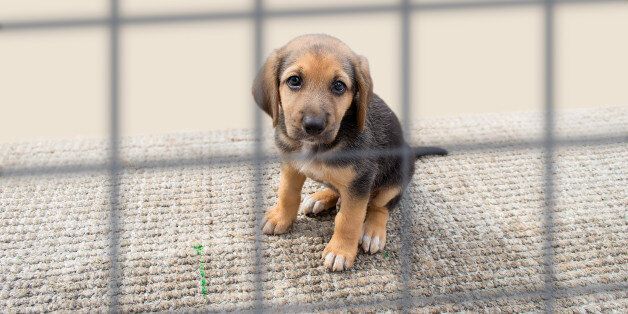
pixel 258 25
pixel 549 146
pixel 405 69
pixel 114 140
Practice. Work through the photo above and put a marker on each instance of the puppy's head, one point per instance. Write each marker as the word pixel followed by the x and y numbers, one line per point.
pixel 311 83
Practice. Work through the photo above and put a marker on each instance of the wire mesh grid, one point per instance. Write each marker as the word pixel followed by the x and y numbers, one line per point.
pixel 257 15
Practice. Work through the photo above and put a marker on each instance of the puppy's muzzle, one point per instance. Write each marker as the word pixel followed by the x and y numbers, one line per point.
pixel 313 125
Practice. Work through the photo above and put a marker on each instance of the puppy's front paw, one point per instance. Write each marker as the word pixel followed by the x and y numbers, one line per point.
pixel 276 221
pixel 339 255
pixel 319 201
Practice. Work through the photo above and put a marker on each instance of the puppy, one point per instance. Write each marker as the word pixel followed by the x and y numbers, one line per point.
pixel 319 94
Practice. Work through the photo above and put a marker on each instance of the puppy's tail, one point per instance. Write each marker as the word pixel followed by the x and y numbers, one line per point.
pixel 421 151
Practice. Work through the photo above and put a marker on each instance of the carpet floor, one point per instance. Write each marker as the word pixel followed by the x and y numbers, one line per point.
pixel 477 228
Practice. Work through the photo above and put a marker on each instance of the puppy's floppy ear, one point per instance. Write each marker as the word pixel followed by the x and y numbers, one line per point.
pixel 266 86
pixel 364 93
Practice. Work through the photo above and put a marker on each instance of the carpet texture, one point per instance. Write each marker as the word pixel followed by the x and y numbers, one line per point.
pixel 476 226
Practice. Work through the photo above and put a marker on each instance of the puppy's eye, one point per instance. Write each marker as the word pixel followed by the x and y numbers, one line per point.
pixel 338 87
pixel 294 82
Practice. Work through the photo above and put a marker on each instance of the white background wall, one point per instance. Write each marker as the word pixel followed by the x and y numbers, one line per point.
pixel 197 76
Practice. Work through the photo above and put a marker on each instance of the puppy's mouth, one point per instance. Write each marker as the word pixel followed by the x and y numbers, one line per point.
pixel 326 137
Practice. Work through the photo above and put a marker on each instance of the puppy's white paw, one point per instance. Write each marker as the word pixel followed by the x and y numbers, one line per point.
pixel 373 237
pixel 335 262
pixel 318 202
pixel 276 221
pixel 339 255
pixel 372 244
pixel 309 205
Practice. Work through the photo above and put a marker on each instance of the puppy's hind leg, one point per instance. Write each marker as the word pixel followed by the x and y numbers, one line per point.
pixel 319 201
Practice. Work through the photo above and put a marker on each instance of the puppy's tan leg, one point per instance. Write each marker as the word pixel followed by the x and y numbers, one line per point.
pixel 340 252
pixel 279 218
pixel 373 237
pixel 319 201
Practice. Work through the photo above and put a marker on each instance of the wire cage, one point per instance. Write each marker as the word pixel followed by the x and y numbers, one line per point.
pixel 405 9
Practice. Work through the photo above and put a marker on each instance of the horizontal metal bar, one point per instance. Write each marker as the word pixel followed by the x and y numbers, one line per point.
pixel 186 18
pixel 498 4
pixel 335 10
pixel 76 168
pixel 194 17
pixel 53 24
pixel 250 159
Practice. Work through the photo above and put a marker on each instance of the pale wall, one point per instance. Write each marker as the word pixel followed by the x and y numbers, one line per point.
pixel 197 77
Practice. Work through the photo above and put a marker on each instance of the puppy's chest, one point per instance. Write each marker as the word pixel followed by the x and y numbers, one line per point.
pixel 313 169
pixel 319 171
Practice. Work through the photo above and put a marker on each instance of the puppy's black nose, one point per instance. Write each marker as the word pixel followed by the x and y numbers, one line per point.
pixel 313 125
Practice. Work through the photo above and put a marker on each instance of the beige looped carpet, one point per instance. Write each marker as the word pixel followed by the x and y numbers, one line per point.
pixel 476 226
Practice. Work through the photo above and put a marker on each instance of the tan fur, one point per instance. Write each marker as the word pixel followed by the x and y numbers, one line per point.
pixel 365 90
pixel 349 220
pixel 339 177
pixel 347 231
pixel 318 69
pixel 298 43
pixel 265 90
pixel 363 76
pixel 292 143
pixel 383 196
pixel 318 72
pixel 279 218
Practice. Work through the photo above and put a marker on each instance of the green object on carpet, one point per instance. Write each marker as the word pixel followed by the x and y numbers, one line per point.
pixel 201 268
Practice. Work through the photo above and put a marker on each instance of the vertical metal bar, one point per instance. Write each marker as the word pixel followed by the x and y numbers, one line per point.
pixel 406 226
pixel 114 166
pixel 257 207
pixel 548 160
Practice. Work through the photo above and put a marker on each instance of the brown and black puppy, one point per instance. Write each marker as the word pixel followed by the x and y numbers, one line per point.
pixel 319 94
